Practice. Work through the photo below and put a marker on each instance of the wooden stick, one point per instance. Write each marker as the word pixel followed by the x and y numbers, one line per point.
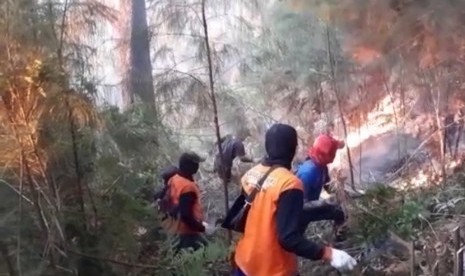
pixel 458 262
pixel 412 259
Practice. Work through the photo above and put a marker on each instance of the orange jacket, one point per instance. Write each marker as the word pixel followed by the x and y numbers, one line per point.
pixel 258 252
pixel 178 186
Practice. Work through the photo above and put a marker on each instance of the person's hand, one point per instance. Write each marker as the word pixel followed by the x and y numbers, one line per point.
pixel 339 259
pixel 209 229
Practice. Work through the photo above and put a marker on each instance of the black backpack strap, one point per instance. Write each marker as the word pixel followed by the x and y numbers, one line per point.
pixel 250 198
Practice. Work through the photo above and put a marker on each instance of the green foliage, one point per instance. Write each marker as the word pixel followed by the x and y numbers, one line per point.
pixel 136 131
pixel 87 176
pixel 301 40
pixel 408 218
pixel 384 210
pixel 209 260
pixel 296 43
pixel 129 226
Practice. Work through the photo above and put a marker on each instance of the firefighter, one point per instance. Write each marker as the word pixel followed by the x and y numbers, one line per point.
pixel 184 196
pixel 271 241
pixel 313 173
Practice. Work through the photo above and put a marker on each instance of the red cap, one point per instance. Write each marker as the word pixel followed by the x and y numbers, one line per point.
pixel 324 149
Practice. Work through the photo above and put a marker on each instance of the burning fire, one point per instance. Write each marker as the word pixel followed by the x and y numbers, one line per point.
pixel 364 55
pixel 375 125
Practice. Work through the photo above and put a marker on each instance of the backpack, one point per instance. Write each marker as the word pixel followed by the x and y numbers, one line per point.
pixel 165 204
pixel 163 198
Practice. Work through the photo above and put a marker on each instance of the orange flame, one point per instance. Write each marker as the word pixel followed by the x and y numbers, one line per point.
pixel 365 55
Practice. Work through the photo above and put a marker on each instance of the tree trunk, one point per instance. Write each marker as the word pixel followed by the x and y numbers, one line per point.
pixel 140 63
pixel 215 111
pixel 339 107
pixel 459 134
pixel 436 79
pixel 124 31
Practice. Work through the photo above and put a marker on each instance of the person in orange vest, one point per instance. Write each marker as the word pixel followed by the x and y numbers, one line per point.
pixel 272 241
pixel 184 194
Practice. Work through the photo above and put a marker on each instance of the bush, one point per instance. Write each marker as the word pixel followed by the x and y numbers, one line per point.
pixel 383 210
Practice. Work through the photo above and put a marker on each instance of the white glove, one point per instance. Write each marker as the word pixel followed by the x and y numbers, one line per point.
pixel 209 229
pixel 342 261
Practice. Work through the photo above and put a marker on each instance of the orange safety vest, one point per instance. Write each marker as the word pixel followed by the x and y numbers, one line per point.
pixel 258 252
pixel 178 186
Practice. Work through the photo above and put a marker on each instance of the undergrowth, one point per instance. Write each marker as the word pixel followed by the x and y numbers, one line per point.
pixel 406 213
pixel 382 210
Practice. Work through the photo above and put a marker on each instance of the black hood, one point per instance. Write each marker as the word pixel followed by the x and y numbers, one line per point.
pixel 189 164
pixel 280 145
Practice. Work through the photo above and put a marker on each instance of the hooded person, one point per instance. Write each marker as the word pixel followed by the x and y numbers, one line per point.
pixel 185 195
pixel 313 173
pixel 232 147
pixel 271 241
